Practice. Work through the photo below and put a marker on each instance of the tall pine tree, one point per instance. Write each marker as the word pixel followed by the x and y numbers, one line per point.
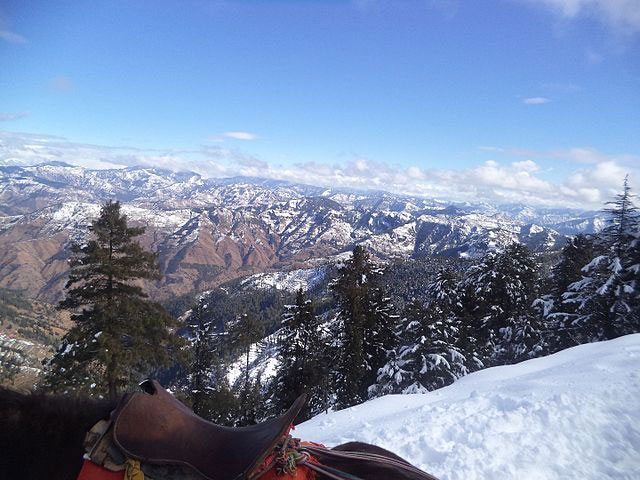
pixel 381 327
pixel 245 336
pixel 606 297
pixel 559 315
pixel 119 335
pixel 200 386
pixel 364 328
pixel 301 348
pixel 578 252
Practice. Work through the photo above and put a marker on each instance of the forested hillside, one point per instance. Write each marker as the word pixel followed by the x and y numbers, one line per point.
pixel 29 332
pixel 372 328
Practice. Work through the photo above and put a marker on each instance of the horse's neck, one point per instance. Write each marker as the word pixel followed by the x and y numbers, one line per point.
pixel 42 436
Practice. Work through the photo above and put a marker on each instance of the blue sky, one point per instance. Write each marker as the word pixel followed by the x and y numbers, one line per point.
pixel 505 100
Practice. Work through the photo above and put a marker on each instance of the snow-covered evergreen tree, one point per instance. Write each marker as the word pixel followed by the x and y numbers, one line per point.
pixel 198 376
pixel 606 297
pixel 577 253
pixel 631 281
pixel 382 322
pixel 432 351
pixel 301 350
pixel 245 335
pixel 349 329
pixel 499 293
pixel 205 386
pixel 363 328
pixel 556 314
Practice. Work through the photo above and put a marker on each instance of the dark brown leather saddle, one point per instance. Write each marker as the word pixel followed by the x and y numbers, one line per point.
pixel 156 428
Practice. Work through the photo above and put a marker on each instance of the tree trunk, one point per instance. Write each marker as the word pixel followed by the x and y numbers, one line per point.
pixel 112 378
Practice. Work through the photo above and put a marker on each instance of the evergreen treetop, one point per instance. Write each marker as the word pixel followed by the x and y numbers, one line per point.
pixel 623 222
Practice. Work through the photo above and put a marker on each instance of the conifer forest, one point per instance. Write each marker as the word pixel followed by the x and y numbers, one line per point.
pixel 372 328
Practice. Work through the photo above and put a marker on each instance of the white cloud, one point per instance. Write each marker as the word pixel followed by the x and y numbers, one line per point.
pixel 9 116
pixel 61 83
pixel 592 156
pixel 621 15
pixel 596 178
pixel 526 166
pixel 233 135
pixel 489 148
pixel 240 135
pixel 583 155
pixel 536 100
pixel 12 37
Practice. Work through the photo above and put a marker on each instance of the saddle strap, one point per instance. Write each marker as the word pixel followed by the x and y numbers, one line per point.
pixel 332 473
pixel 362 456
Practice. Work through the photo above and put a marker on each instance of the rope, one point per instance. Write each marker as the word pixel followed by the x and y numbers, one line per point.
pixel 286 459
pixel 291 454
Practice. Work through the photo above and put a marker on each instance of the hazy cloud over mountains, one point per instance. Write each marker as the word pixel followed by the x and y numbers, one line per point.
pixel 594 177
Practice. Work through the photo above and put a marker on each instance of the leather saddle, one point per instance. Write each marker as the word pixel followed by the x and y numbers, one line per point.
pixel 156 428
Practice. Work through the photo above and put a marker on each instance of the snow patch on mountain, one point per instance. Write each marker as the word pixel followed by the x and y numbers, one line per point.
pixel 291 281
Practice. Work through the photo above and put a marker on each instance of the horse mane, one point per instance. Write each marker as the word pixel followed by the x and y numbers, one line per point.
pixel 41 435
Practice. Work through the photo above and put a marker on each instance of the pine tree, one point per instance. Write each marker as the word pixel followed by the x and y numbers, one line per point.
pixel 606 297
pixel 221 405
pixel 250 403
pixel 433 350
pixel 364 329
pixel 244 336
pixel 623 238
pixel 578 252
pixel 621 230
pixel 350 289
pixel 556 314
pixel 380 330
pixel 300 350
pixel 501 290
pixel 631 281
pixel 200 381
pixel 119 335
pixel 11 362
pixel 398 374
pixel 449 296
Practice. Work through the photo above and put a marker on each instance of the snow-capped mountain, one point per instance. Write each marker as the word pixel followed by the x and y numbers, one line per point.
pixel 207 231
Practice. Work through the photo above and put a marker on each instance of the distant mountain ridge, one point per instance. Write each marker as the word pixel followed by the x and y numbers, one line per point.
pixel 207 231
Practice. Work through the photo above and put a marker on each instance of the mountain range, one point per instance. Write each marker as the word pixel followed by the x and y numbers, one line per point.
pixel 207 231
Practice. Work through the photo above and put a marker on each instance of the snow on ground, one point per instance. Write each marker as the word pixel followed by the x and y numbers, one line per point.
pixel 572 415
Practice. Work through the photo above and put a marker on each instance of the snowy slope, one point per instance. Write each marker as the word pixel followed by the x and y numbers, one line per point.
pixel 572 415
